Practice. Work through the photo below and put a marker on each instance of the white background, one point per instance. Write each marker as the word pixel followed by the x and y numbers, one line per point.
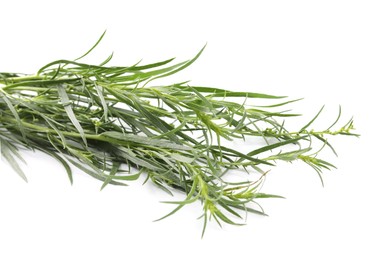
pixel 329 52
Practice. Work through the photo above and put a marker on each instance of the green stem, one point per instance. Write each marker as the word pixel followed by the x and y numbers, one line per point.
pixel 51 131
pixel 24 78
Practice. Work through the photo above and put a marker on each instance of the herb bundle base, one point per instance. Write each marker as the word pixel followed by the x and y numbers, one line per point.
pixel 113 124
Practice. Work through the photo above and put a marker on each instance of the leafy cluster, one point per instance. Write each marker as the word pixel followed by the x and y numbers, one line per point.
pixel 113 125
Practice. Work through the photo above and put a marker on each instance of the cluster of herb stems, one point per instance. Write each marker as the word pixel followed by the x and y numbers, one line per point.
pixel 113 124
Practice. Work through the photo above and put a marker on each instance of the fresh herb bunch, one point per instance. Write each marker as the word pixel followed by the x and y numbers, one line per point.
pixel 111 124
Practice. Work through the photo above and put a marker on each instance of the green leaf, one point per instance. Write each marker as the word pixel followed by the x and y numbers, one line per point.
pixel 183 66
pixel 99 90
pixel 312 120
pixel 68 109
pixel 14 113
pixel 273 146
pixel 186 200
pixel 217 92
pixel 113 172
pixel 93 47
pixel 8 153
pixel 62 161
pixel 111 135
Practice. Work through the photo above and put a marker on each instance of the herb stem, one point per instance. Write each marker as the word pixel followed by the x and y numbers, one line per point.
pixel 42 129
pixel 22 78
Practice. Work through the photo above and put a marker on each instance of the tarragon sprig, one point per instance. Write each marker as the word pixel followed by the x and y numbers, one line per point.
pixel 113 124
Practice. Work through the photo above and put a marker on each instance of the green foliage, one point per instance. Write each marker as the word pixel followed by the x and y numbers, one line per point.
pixel 113 125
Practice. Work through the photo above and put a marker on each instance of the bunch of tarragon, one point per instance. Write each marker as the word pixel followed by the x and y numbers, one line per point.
pixel 113 124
